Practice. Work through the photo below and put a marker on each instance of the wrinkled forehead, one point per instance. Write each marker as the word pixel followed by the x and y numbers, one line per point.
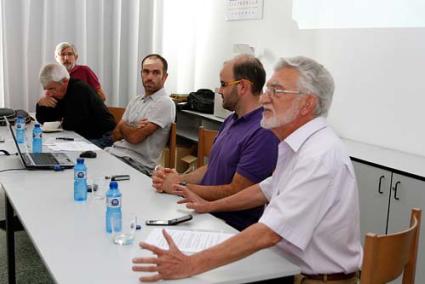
pixel 284 78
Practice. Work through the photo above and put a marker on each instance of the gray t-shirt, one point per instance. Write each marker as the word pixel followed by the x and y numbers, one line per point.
pixel 157 108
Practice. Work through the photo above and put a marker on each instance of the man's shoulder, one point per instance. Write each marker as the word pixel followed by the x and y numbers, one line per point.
pixel 79 88
pixel 81 68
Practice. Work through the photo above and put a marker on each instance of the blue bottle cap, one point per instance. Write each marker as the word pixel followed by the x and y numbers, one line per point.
pixel 113 185
pixel 37 125
pixel 80 161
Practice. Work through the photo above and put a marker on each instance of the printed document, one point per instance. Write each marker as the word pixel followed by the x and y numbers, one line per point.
pixel 187 241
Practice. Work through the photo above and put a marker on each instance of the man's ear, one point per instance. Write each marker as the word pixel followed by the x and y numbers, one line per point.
pixel 65 81
pixel 309 105
pixel 76 58
pixel 245 86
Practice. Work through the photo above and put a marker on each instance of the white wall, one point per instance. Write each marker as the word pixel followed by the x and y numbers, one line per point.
pixel 380 92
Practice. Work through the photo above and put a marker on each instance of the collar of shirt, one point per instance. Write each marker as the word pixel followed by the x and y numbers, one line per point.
pixel 299 136
pixel 247 116
pixel 75 68
pixel 155 96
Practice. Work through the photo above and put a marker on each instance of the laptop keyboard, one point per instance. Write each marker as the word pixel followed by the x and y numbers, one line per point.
pixel 43 159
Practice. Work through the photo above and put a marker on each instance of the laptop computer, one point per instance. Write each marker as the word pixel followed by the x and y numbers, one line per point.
pixel 41 161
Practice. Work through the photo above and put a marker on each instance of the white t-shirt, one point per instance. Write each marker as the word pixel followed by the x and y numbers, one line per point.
pixel 157 108
pixel 313 201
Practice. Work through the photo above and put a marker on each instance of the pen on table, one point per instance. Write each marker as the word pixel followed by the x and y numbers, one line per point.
pixel 118 177
pixel 65 138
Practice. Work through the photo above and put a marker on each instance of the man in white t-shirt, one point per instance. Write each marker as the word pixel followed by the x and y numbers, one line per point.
pixel 143 130
pixel 312 211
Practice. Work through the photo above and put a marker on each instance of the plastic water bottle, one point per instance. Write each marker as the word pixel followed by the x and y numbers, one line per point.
pixel 37 140
pixel 20 129
pixel 113 208
pixel 80 180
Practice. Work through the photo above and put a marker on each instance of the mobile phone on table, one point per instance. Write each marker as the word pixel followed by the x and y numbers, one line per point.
pixel 169 222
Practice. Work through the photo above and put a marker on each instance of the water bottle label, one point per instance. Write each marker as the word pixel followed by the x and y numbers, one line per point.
pixel 36 135
pixel 113 202
pixel 18 125
pixel 79 175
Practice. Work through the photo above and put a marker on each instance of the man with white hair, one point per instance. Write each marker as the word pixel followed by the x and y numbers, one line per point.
pixel 66 54
pixel 312 211
pixel 77 105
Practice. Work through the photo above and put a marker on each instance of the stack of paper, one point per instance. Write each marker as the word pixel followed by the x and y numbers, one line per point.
pixel 187 241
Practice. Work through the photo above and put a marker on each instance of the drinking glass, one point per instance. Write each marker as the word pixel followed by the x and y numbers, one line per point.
pixel 128 230
pixel 98 187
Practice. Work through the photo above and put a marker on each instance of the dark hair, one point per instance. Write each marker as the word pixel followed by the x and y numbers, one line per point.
pixel 250 68
pixel 154 55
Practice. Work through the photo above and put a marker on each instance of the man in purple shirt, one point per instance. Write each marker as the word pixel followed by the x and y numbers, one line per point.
pixel 243 153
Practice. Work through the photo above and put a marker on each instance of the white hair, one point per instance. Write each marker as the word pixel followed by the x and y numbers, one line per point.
pixel 61 46
pixel 313 79
pixel 52 72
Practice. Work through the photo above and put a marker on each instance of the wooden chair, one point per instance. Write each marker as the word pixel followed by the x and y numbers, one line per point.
pixel 387 256
pixel 205 141
pixel 172 145
pixel 117 112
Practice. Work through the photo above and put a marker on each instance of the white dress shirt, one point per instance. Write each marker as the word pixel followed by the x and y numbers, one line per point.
pixel 313 201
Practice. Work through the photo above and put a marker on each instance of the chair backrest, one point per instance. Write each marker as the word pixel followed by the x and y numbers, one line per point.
pixel 387 256
pixel 205 141
pixel 172 144
pixel 117 112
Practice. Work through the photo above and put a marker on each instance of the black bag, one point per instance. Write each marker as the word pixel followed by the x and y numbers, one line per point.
pixel 202 100
pixel 12 114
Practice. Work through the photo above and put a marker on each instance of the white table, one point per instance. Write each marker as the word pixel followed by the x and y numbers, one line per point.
pixel 71 238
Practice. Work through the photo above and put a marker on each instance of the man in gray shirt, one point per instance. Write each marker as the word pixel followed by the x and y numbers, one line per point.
pixel 143 130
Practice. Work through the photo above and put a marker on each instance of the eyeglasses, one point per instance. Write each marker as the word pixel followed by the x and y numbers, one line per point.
pixel 230 83
pixel 66 54
pixel 279 92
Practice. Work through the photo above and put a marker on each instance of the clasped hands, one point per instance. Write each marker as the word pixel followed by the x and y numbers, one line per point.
pixel 166 180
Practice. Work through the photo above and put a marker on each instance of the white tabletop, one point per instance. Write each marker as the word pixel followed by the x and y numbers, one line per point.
pixel 71 237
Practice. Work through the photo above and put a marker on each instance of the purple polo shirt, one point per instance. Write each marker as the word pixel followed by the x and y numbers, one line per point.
pixel 241 146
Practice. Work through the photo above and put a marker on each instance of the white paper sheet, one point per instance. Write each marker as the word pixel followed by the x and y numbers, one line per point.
pixel 187 241
pixel 76 146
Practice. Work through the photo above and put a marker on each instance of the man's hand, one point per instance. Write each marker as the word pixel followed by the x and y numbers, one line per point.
pixel 169 264
pixel 192 200
pixel 47 101
pixel 142 123
pixel 164 178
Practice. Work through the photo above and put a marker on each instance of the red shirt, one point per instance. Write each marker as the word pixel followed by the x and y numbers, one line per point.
pixel 85 74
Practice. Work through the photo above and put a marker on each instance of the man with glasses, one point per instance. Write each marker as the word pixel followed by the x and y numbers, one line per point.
pixel 243 153
pixel 312 211
pixel 66 54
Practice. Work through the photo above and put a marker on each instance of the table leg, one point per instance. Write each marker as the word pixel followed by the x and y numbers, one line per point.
pixel 10 240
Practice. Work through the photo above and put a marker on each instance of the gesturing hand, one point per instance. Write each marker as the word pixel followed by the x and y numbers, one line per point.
pixel 192 200
pixel 169 264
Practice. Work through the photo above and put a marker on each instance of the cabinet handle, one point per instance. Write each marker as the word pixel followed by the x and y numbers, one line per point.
pixel 379 186
pixel 395 190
